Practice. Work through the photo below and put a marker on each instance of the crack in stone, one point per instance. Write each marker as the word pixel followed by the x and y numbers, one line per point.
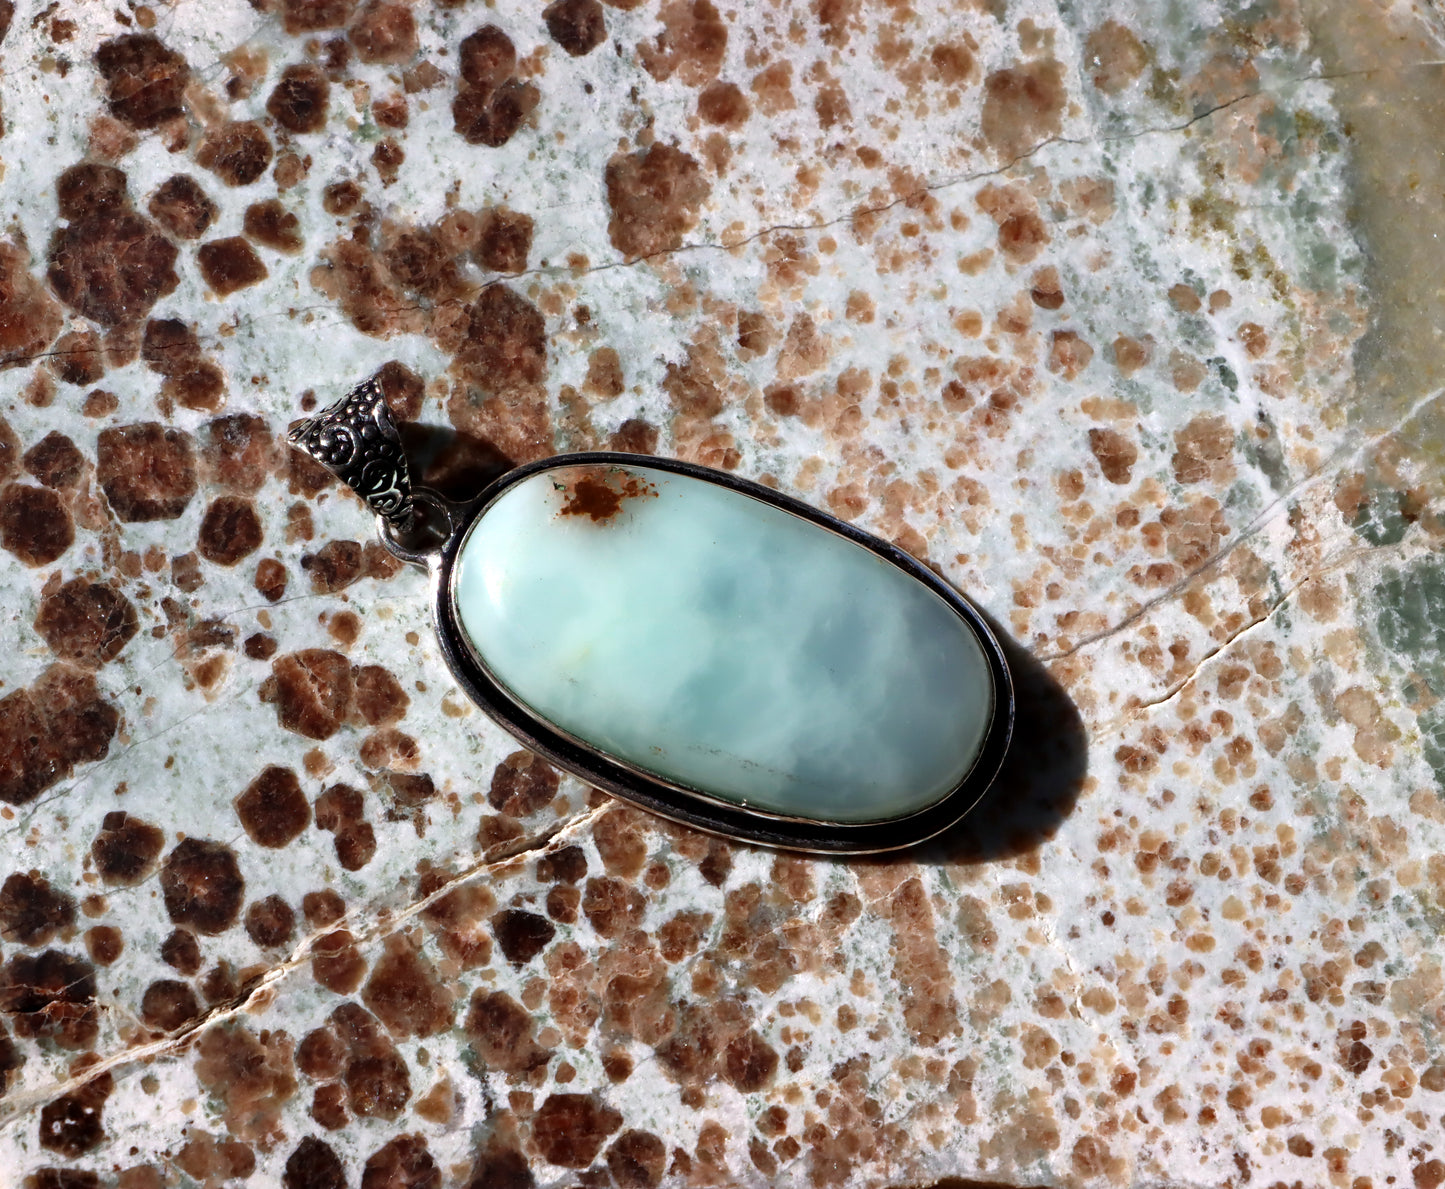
pixel 1346 454
pixel 780 228
pixel 14 1107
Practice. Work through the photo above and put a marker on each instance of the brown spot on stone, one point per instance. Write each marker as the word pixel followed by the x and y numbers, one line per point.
pixel 333 567
pixel 501 1031
pixel 604 374
pixel 60 721
pixel 403 390
pixel 1114 56
pixel 1047 290
pixel 182 207
pixel 570 1129
pixel 299 101
pixel 99 404
pixel 634 436
pixel 34 525
pixel 637 1160
pixel 310 16
pixel 567 865
pixel 487 58
pixel 270 579
pixel 313 1164
pixel 104 944
pixel 270 922
pixel 379 698
pixel 749 1062
pixel 612 906
pixel 562 904
pixel 90 189
pixel 1204 450
pixel 655 195
pixel 773 89
pixel 419 263
pixel 313 691
pixel 1115 453
pixel 31 911
pixel 620 842
pixel 237 152
pixel 169 346
pixel 126 849
pixel 112 267
pixel 328 1107
pixel 391 111
pixel 230 530
pixel 384 31
pixel 506 341
pixel 321 1055
pixel 55 461
pixel 238 452
pixel 490 105
pixel 145 80
pixel 147 472
pixel 229 265
pixel 86 622
pixel 323 908
pixel 1023 106
pixel 504 239
pixel 404 992
pixel 522 935
pixel 598 493
pixel 29 316
pixel 204 1158
pixel 71 1125
pixel 181 951
pixel 337 964
pixel 576 25
pixel 9 451
pixel 273 809
pixel 202 885
pixel 273 226
pixel 50 996
pixel 169 1004
pixel 691 45
pixel 404 1163
pixel 723 104
pixel 341 198
pixel 202 387
pixel 1021 231
pixel 387 159
pixel 1068 354
pixel 77 358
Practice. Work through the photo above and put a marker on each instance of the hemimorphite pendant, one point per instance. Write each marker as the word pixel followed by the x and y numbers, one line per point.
pixel 705 647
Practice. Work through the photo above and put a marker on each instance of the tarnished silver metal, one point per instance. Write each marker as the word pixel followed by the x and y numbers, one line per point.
pixel 356 439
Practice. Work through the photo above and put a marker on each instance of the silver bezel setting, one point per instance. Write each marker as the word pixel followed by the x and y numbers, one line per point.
pixel 691 806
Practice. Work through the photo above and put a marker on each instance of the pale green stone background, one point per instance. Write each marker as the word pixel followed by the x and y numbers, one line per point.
pixel 717 641
pixel 1214 959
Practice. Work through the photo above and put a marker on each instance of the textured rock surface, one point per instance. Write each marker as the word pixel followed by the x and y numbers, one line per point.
pixel 1124 318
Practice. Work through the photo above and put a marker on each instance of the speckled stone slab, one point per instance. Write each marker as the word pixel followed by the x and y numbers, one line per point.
pixel 1126 318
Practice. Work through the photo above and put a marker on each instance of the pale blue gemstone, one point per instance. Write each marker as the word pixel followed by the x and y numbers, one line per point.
pixel 726 645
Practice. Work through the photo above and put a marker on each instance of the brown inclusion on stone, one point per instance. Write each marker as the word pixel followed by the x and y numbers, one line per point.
pixel 86 622
pixel 599 493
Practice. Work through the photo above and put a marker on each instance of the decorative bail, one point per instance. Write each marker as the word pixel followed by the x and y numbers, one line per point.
pixel 356 439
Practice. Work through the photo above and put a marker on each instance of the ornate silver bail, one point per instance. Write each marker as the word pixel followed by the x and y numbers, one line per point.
pixel 356 439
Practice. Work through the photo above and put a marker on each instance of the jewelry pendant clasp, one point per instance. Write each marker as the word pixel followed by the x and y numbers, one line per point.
pixel 358 441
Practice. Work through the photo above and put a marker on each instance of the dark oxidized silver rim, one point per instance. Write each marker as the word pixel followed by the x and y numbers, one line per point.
pixel 694 807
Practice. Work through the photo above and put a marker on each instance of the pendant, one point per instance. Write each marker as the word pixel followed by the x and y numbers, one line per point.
pixel 697 644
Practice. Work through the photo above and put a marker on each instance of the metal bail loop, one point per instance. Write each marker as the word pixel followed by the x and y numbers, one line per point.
pixel 356 439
